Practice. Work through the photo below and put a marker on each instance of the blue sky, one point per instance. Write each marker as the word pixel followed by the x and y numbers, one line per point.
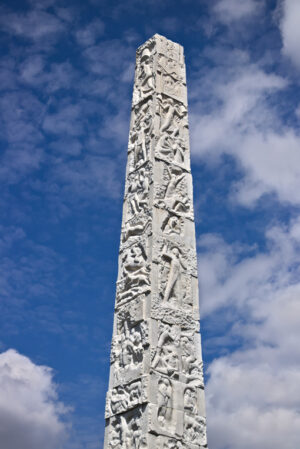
pixel 66 75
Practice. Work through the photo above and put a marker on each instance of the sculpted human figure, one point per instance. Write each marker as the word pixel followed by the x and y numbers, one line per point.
pixel 119 400
pixel 127 434
pixel 130 352
pixel 135 271
pixel 146 74
pixel 194 429
pixel 136 228
pixel 174 180
pixel 164 401
pixel 187 356
pixel 171 444
pixel 176 264
pixel 115 433
pixel 190 400
pixel 139 187
pixel 171 111
pixel 179 149
pixel 165 359
pixel 134 392
pixel 127 348
pixel 172 225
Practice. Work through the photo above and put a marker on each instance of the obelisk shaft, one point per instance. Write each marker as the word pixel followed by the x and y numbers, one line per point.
pixel 156 392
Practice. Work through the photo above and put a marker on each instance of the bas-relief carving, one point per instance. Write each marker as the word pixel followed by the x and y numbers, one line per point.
pixel 173 315
pixel 171 49
pixel 126 431
pixel 125 397
pixel 172 191
pixel 173 149
pixel 145 77
pixel 135 273
pixel 138 148
pixel 128 351
pixel 172 225
pixel 194 429
pixel 139 225
pixel 192 365
pixel 140 135
pixel 171 78
pixel 138 193
pixel 172 141
pixel 164 402
pixel 165 359
pixel 165 245
pixel 170 67
pixel 172 114
pixel 163 442
pixel 175 286
pixel 131 313
pixel 190 401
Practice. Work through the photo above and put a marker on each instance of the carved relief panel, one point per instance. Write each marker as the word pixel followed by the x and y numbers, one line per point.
pixel 128 354
pixel 171 49
pixel 171 78
pixel 172 140
pixel 144 84
pixel 172 192
pixel 127 430
pixel 125 397
pixel 134 272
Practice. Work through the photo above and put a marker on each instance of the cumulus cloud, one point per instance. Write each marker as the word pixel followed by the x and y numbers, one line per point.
pixel 30 413
pixel 235 110
pixel 231 275
pixel 290 29
pixel 252 392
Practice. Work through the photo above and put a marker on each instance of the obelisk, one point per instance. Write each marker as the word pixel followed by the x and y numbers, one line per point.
pixel 155 398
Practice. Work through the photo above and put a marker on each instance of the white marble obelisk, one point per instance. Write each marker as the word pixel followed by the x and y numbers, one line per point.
pixel 156 392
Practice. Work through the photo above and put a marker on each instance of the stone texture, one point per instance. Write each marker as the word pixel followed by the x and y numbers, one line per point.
pixel 156 391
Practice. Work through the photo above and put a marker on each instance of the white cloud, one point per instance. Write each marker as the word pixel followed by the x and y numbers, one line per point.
pixel 234 10
pixel 253 395
pixel 30 413
pixel 236 110
pixel 290 29
pixel 233 275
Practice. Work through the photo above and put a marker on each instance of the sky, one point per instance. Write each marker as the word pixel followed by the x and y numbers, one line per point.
pixel 66 77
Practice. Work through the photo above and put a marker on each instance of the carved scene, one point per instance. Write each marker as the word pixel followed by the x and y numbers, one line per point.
pixel 125 397
pixel 126 432
pixel 135 275
pixel 172 193
pixel 165 359
pixel 129 348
